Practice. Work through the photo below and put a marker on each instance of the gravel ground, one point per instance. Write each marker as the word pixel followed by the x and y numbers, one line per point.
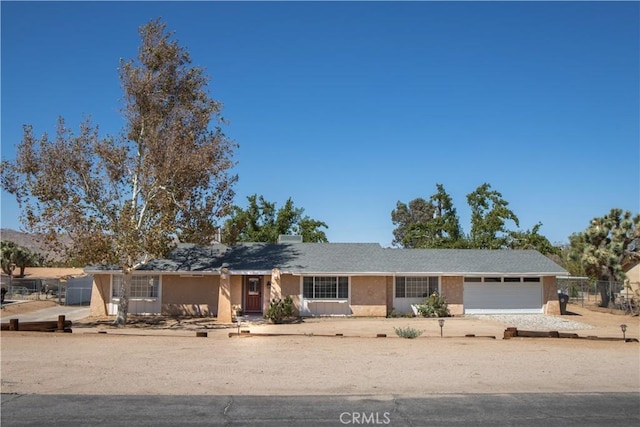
pixel 536 322
pixel 326 356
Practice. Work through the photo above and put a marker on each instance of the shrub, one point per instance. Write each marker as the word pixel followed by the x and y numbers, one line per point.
pixel 434 305
pixel 236 310
pixel 393 314
pixel 407 332
pixel 396 314
pixel 280 309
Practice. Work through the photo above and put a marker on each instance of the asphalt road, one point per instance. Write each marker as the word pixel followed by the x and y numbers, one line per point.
pixel 535 409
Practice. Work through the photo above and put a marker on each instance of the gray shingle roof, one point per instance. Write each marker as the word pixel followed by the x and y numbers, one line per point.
pixel 336 258
pixel 190 257
pixel 350 258
pixel 470 261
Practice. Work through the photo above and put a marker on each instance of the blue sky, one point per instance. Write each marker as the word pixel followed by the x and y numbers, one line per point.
pixel 350 107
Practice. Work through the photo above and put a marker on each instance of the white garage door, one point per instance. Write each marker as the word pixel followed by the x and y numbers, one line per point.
pixel 491 298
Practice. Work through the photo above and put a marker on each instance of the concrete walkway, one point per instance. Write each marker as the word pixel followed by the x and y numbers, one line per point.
pixel 72 313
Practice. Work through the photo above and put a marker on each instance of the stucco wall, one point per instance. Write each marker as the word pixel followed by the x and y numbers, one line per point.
pixel 236 290
pixel 190 296
pixel 550 303
pixel 389 291
pixel 266 292
pixel 290 286
pixel 549 289
pixel 369 296
pixel 100 294
pixel 452 289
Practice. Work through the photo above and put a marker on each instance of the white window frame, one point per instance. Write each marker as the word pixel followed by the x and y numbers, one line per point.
pixel 427 280
pixel 138 282
pixel 337 288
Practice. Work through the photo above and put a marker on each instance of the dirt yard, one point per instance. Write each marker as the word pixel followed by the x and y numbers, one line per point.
pixel 308 358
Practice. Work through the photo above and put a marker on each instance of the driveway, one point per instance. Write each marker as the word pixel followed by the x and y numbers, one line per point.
pixel 72 313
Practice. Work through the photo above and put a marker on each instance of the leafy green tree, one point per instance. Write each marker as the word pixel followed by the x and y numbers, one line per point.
pixel 310 230
pixel 21 257
pixel 428 224
pixel 531 239
pixel 410 221
pixel 609 242
pixel 571 255
pixel 24 258
pixel 124 199
pixel 6 255
pixel 435 224
pixel 489 214
pixel 444 229
pixel 262 222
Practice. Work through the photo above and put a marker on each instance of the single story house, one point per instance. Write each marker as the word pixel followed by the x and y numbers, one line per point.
pixel 351 279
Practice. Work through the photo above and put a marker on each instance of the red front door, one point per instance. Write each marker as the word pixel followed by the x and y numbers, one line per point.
pixel 253 294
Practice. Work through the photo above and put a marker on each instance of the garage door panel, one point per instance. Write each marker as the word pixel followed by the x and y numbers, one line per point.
pixel 485 298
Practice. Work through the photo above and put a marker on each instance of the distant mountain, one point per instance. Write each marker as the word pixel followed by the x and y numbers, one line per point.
pixel 29 241
pixel 25 240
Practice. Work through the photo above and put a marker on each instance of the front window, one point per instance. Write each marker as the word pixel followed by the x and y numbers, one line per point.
pixel 325 287
pixel 416 287
pixel 141 286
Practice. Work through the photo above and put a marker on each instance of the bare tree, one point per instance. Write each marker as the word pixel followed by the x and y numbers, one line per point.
pixel 122 200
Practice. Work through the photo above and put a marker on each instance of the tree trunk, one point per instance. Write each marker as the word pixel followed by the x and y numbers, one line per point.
pixel 605 293
pixel 123 305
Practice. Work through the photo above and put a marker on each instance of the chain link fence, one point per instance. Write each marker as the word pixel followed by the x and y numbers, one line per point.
pixel 24 289
pixel 624 296
pixel 74 291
